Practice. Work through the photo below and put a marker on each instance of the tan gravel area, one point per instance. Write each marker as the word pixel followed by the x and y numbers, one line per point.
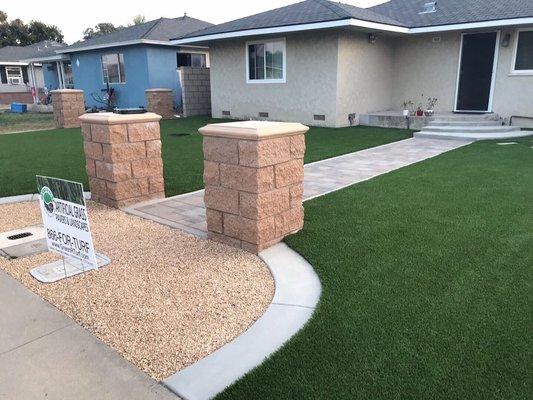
pixel 167 299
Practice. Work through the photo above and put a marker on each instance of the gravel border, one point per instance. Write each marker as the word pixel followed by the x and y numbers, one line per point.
pixel 296 296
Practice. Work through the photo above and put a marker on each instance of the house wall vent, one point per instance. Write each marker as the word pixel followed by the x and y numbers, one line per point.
pixel 226 113
pixel 319 117
pixel 263 115
pixel 429 7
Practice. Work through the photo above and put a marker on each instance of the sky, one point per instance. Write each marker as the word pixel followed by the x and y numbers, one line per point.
pixel 73 17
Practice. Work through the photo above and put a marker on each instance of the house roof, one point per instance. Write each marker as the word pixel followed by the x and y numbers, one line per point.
pixel 449 12
pixel 397 15
pixel 159 30
pixel 305 12
pixel 18 53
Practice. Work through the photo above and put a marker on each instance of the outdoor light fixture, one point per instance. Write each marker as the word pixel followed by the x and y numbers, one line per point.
pixel 372 38
pixel 506 40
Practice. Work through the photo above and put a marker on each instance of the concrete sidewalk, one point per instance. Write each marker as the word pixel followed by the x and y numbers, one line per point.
pixel 45 354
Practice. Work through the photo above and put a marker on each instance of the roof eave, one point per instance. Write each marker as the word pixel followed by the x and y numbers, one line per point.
pixel 116 44
pixel 57 57
pixel 294 28
pixel 354 23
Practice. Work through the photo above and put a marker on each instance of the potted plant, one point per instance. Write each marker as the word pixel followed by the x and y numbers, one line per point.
pixel 430 111
pixel 407 105
pixel 419 111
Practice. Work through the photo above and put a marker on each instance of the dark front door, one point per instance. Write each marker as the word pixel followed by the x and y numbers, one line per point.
pixel 475 72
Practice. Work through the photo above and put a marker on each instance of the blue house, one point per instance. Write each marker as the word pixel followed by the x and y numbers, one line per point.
pixel 129 61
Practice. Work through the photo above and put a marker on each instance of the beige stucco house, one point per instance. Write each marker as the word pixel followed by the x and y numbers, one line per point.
pixel 320 62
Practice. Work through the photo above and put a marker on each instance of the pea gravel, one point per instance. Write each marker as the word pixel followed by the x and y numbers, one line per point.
pixel 166 300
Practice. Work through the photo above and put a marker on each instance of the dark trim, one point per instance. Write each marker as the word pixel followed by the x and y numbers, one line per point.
pixel 25 78
pixel 3 74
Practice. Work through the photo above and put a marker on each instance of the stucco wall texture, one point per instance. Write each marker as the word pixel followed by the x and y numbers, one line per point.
pixel 337 73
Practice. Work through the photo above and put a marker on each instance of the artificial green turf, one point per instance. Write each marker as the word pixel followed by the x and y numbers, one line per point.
pixel 59 153
pixel 427 277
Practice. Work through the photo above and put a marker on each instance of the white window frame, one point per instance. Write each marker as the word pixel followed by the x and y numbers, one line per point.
pixel 19 77
pixel 260 81
pixel 118 54
pixel 515 54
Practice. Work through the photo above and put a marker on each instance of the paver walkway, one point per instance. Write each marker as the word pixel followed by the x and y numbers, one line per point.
pixel 45 354
pixel 187 212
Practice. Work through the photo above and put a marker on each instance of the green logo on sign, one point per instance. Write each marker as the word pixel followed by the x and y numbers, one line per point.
pixel 48 199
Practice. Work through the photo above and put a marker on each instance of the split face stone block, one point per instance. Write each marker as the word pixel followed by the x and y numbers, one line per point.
pixel 93 150
pixel 141 132
pixel 253 173
pixel 129 189
pixel 122 172
pixel 247 179
pixel 289 173
pixel 221 199
pixel 147 167
pixel 221 150
pixel 109 133
pixel 214 221
pixel 265 152
pixel 114 172
pixel 211 173
pixel 263 205
pixel 153 148
pixel 249 230
pixel 124 152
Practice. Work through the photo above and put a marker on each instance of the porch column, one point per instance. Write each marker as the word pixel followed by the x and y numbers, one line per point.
pixel 34 83
pixel 62 74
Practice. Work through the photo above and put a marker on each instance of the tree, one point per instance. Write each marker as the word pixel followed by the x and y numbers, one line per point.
pixel 17 33
pixel 100 29
pixel 139 19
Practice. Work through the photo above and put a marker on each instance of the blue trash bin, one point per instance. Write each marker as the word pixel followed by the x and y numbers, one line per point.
pixel 19 108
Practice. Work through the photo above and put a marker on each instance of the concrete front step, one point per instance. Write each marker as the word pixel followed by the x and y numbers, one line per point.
pixel 473 128
pixel 460 122
pixel 472 136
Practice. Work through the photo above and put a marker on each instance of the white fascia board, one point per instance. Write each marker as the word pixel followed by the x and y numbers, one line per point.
pixel 116 44
pixel 16 63
pixel 474 25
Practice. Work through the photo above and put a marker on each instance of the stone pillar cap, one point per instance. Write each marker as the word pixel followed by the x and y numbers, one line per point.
pixel 158 90
pixel 109 118
pixel 253 130
pixel 66 91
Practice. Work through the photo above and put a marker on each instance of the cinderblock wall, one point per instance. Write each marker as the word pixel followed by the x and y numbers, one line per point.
pixel 196 91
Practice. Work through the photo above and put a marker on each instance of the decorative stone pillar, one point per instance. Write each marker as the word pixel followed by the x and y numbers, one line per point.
pixel 68 105
pixel 253 175
pixel 123 157
pixel 160 101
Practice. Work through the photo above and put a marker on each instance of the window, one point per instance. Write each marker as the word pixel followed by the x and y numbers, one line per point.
pixel 14 75
pixel 113 68
pixel 195 60
pixel 523 59
pixel 266 62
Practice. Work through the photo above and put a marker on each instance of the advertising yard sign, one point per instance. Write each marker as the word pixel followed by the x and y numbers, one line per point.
pixel 65 219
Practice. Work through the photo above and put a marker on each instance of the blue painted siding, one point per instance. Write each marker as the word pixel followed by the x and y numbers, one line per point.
pixel 50 76
pixel 163 70
pixel 145 67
